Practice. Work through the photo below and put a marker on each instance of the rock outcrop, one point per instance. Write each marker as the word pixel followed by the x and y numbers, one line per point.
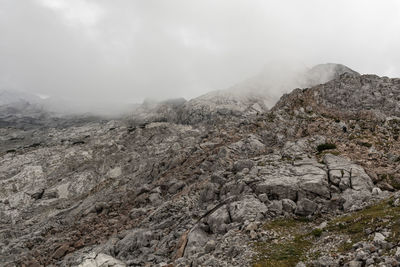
pixel 214 181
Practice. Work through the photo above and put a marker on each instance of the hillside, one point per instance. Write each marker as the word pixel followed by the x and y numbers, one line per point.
pixel 220 180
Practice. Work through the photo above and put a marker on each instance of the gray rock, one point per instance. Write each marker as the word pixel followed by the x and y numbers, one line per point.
pixel 197 239
pixel 135 239
pixel 285 180
pixel 355 264
pixel 242 164
pixel 249 208
pixel 343 169
pixel 288 205
pixel 218 220
pixel 101 260
pixel 305 207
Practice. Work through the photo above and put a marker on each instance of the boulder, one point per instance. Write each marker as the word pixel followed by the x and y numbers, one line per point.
pixel 218 220
pixel 101 260
pixel 249 208
pixel 288 205
pixel 353 176
pixel 197 239
pixel 305 207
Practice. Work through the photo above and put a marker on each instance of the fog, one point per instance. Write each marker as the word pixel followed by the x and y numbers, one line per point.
pixel 122 51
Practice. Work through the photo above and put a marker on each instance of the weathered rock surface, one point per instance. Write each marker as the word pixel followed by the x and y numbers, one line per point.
pixel 191 183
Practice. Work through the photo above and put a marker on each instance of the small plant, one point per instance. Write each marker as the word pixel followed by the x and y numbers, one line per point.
pixel 317 232
pixel 325 146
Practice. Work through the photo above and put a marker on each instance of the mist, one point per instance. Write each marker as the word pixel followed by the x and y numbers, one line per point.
pixel 98 52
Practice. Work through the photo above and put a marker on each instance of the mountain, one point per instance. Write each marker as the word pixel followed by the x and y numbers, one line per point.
pixel 311 181
pixel 8 97
pixel 252 96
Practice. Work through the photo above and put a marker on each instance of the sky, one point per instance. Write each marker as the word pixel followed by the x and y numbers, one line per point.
pixel 129 50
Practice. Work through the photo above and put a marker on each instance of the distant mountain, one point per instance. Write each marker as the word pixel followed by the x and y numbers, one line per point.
pixel 8 97
pixel 254 95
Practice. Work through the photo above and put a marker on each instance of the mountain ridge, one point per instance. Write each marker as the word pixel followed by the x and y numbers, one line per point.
pixel 313 180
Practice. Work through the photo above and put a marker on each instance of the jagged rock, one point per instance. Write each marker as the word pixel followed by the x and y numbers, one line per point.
pixel 288 181
pixel 197 239
pixel 241 164
pixel 276 205
pixel 101 260
pixel 210 246
pixel 342 169
pixel 305 207
pixel 288 205
pixel 187 182
pixel 135 239
pixel 219 219
pixel 249 208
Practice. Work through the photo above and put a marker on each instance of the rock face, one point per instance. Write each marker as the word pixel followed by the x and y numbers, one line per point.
pixel 193 183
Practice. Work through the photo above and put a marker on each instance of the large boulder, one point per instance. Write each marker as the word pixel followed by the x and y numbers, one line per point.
pixel 247 209
pixel 101 260
pixel 286 180
pixel 345 174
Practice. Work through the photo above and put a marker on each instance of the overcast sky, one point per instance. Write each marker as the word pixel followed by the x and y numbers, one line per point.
pixel 126 50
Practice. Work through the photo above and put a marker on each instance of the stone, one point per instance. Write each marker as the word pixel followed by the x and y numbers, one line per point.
pixel 135 239
pixel 101 260
pixel 379 238
pixel 218 220
pixel 355 264
pixel 197 239
pixel 340 168
pixel 300 264
pixel 288 205
pixel 276 206
pixel 61 251
pixel 242 164
pixel 286 181
pixel 305 207
pixel 376 191
pixel 397 253
pixel 210 246
pixel 250 208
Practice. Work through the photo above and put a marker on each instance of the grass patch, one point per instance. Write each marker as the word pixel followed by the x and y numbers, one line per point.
pixel 325 146
pixel 285 254
pixel 289 251
pixel 317 232
pixel 298 239
pixel 378 216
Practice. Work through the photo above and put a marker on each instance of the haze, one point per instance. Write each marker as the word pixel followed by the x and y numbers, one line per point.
pixel 126 51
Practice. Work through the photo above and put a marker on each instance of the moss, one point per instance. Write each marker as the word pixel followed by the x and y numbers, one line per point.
pixel 381 215
pixel 289 251
pixel 283 254
pixel 317 232
pixel 296 237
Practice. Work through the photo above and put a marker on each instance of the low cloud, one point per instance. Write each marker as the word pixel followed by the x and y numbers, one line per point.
pixel 125 51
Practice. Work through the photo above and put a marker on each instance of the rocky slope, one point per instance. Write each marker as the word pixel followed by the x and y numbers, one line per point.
pixel 312 181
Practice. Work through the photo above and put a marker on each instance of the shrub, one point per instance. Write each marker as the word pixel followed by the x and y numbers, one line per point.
pixel 326 146
pixel 317 232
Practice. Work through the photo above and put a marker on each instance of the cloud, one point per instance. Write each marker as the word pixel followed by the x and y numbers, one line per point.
pixel 127 50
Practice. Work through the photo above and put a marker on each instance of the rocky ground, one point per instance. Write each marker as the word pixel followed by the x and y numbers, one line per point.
pixel 311 182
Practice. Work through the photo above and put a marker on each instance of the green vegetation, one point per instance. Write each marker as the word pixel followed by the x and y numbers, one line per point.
pixel 325 146
pixel 282 254
pixel 317 232
pixel 297 239
pixel 287 252
pixel 381 215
